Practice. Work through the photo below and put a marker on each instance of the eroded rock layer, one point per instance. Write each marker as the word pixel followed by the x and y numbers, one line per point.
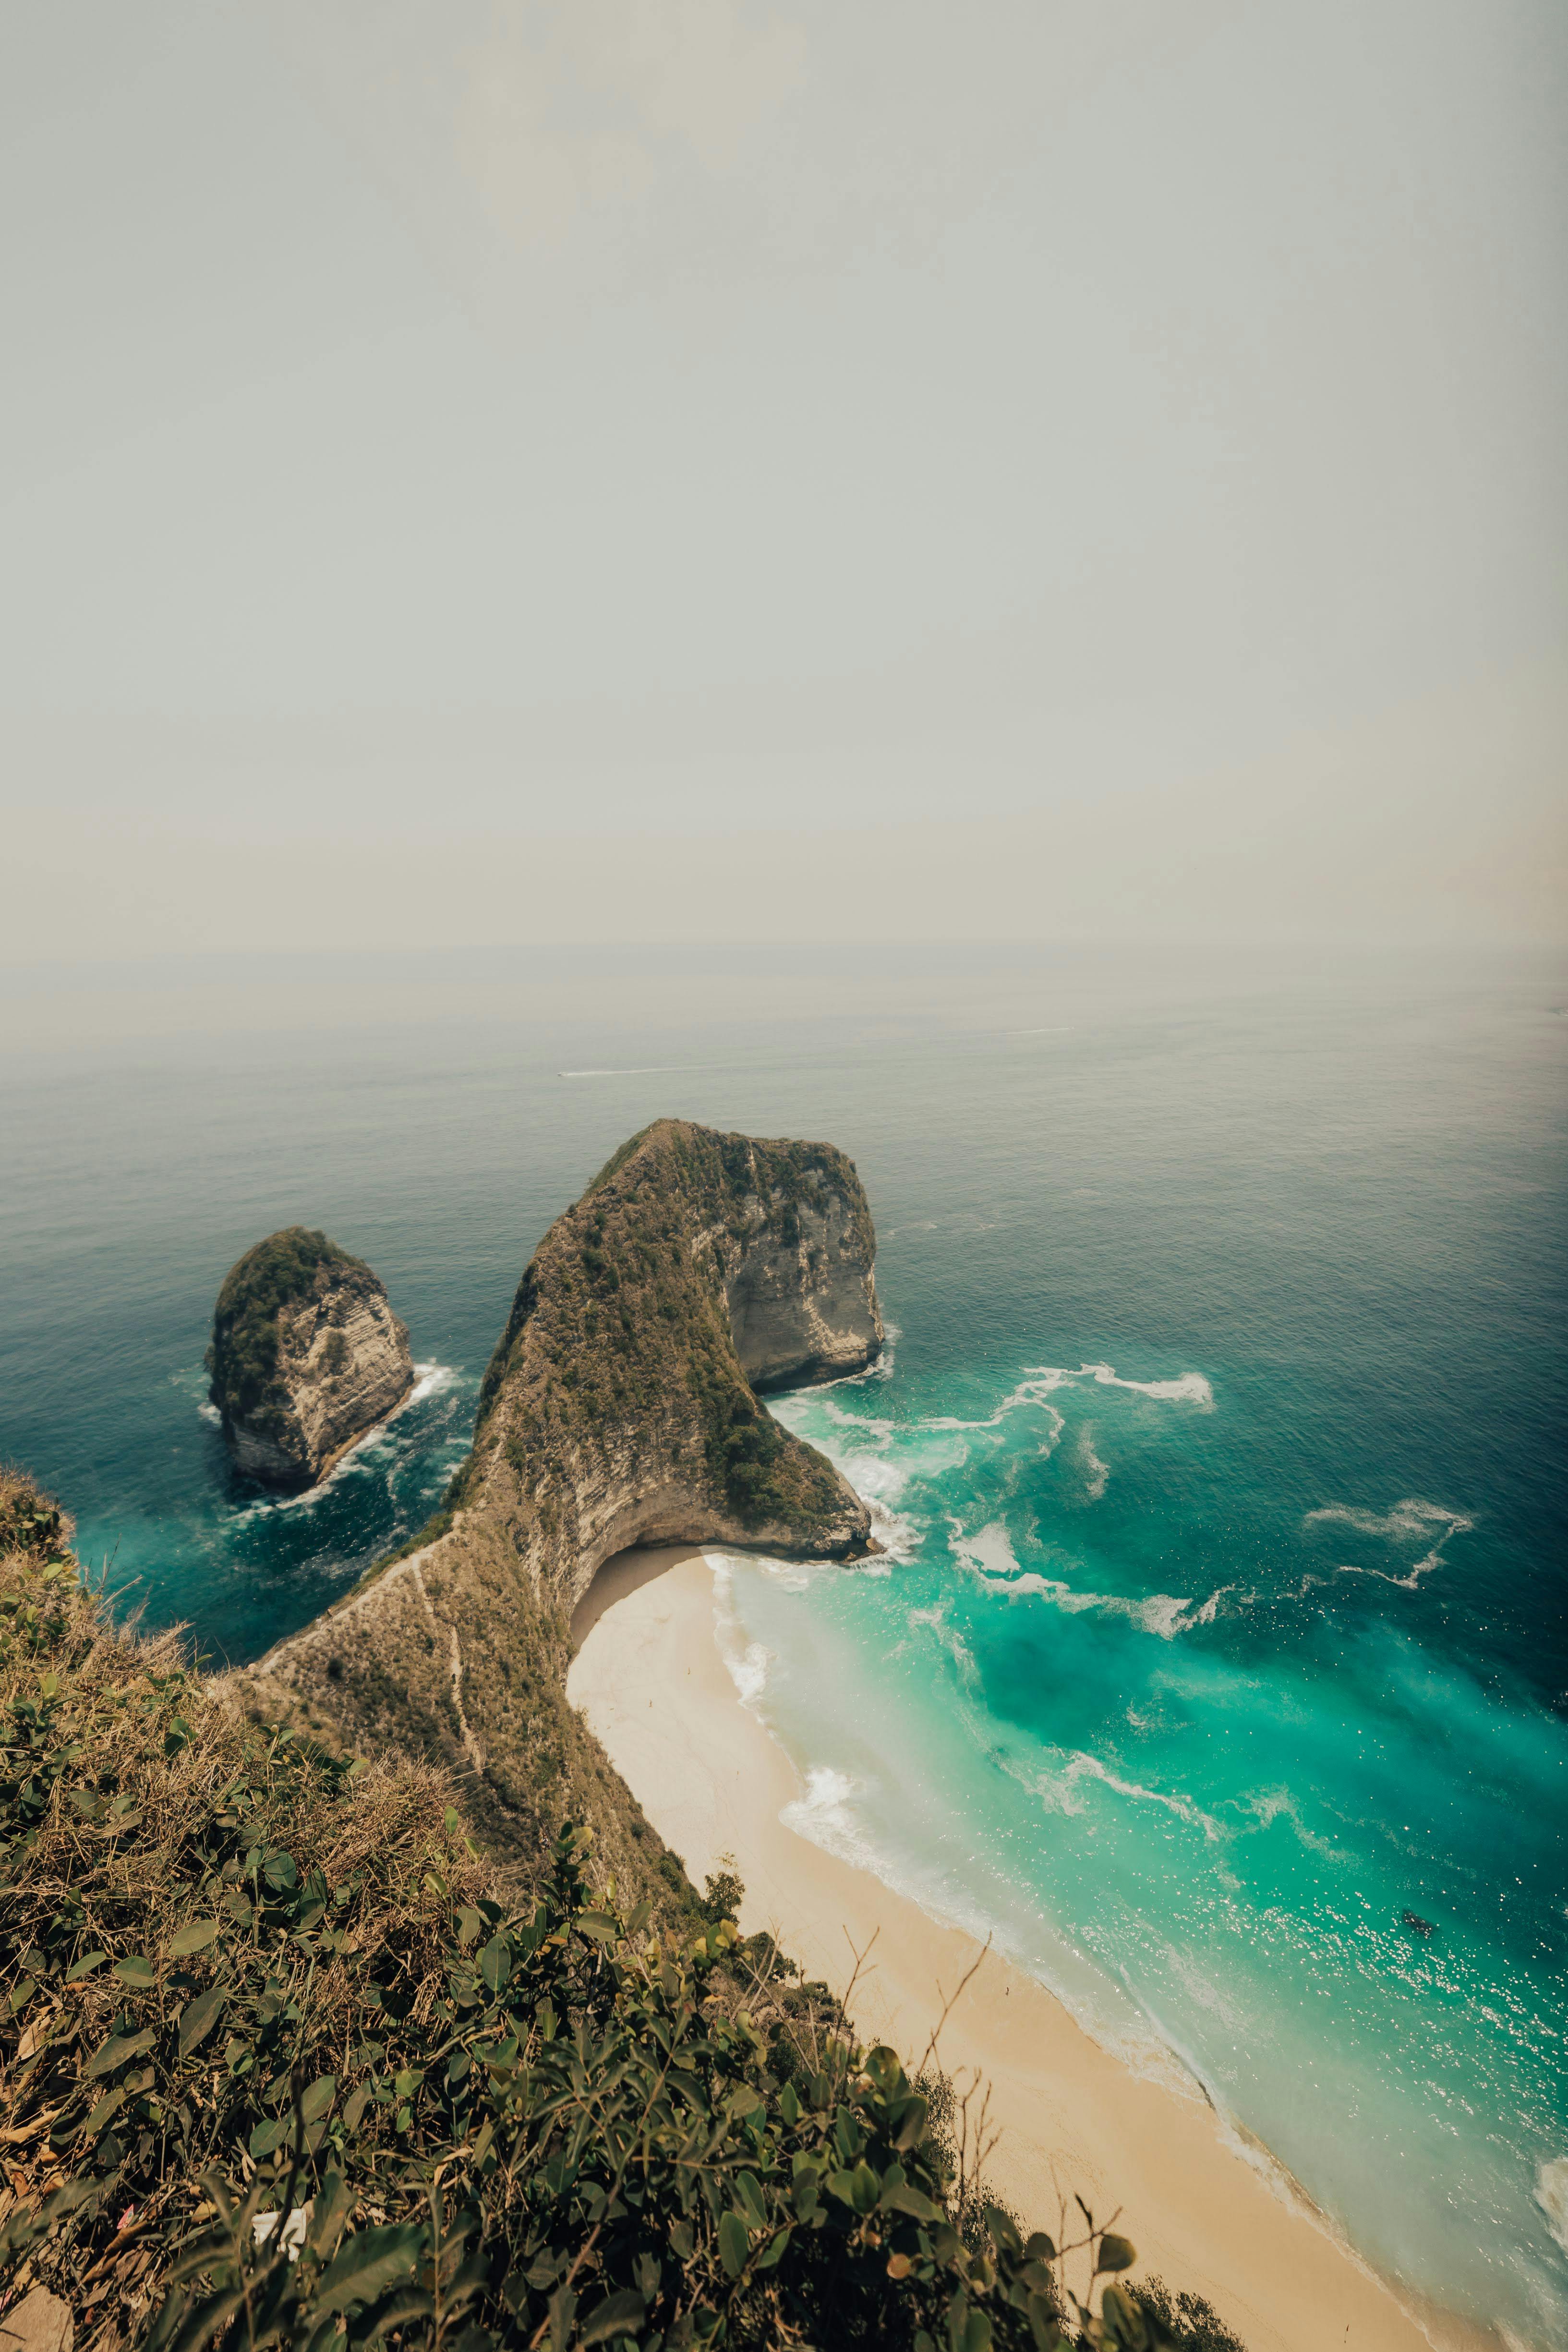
pixel 306 1356
pixel 618 1408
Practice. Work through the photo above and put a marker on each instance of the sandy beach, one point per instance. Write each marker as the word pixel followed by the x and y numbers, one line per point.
pixel 651 1677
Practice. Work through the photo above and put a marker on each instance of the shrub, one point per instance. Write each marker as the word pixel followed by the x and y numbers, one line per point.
pixel 280 2068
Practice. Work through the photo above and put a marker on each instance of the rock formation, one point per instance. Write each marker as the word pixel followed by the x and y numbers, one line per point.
pixel 619 1409
pixel 306 1356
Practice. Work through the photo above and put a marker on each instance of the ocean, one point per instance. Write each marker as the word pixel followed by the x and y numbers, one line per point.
pixel 1216 1664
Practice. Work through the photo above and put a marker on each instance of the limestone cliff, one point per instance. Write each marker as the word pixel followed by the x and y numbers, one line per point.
pixel 618 1408
pixel 306 1356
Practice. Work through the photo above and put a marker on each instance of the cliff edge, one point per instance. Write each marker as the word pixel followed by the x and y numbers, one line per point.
pixel 619 1408
pixel 307 1355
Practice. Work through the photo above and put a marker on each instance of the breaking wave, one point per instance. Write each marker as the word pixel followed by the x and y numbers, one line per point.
pixel 824 1816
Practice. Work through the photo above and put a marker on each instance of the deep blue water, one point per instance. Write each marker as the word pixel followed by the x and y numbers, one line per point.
pixel 1219 1459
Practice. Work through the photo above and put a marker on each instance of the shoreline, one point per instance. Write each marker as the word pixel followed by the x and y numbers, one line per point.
pixel 649 1675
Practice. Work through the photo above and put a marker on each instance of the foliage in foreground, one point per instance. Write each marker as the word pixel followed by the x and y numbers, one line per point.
pixel 278 2069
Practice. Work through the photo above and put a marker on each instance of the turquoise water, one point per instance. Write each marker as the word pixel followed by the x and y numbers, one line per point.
pixel 1217 1455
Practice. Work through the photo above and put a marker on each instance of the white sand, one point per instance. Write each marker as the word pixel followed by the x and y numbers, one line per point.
pixel 651 1679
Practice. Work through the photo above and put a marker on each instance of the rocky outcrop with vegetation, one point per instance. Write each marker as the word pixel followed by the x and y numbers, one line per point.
pixel 618 1408
pixel 306 1356
pixel 284 2062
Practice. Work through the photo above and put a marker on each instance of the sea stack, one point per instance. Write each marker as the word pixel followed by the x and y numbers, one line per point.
pixel 306 1356
pixel 621 1407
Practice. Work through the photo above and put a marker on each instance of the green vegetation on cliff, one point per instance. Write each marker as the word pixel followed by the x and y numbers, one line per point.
pixel 281 2063
pixel 243 1360
pixel 621 1319
pixel 615 1410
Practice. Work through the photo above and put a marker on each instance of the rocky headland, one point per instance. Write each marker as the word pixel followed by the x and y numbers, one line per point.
pixel 307 1355
pixel 619 1408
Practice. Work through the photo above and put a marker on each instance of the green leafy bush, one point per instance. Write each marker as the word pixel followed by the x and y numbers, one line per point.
pixel 279 2067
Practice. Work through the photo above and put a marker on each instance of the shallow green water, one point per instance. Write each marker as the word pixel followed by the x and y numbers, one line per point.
pixel 1222 1621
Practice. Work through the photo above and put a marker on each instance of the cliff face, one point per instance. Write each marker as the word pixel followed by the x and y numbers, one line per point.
pixel 306 1356
pixel 617 1410
pixel 797 1286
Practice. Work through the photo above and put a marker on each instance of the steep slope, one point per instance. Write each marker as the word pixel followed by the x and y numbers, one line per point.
pixel 306 1356
pixel 617 1410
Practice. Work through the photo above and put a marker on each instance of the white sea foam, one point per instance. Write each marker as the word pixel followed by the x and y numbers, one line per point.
pixel 1551 2196
pixel 1190 1388
pixel 1409 1522
pixel 988 1554
pixel 823 1815
pixel 359 1457
pixel 791 1575
pixel 1267 1806
pixel 1210 1609
pixel 881 1369
pixel 952 1641
pixel 210 1413
pixel 1030 1393
pixel 1040 1381
pixel 748 1671
pixel 1095 1472
pixel 873 1477
pixel 1060 1790
pixel 870 1431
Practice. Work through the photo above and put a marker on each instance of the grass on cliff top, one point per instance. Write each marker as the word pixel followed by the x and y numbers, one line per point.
pixel 279 1272
pixel 278 2065
pixel 623 1304
pixel 774 1174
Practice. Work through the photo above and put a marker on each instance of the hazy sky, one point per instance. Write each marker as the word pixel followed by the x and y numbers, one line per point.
pixel 479 471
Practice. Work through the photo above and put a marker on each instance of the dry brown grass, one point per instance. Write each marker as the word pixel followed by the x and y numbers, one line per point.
pixel 135 1793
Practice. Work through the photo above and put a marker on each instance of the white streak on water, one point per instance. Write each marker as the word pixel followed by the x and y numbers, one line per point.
pixel 1408 1522
pixel 990 1556
pixel 1191 1388
pixel 1041 1380
pixel 1270 1805
pixel 1059 1792
pixel 427 1379
pixel 1551 2196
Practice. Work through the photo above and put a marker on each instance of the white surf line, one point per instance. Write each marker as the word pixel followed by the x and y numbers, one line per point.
pixel 427 1378
pixel 1061 1030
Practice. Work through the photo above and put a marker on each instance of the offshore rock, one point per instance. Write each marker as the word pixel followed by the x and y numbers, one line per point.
pixel 306 1356
pixel 619 1408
